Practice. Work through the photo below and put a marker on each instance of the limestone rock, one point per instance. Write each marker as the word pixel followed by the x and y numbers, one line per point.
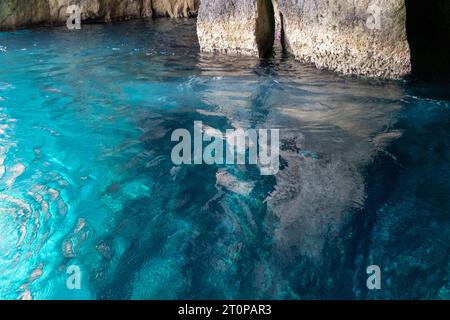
pixel 175 8
pixel 365 37
pixel 20 13
pixel 236 26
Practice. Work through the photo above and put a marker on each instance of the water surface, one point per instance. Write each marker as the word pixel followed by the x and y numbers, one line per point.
pixel 86 177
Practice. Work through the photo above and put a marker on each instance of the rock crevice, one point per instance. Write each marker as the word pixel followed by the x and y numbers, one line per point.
pixel 236 26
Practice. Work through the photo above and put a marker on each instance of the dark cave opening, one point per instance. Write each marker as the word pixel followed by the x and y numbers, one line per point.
pixel 428 30
pixel 283 39
pixel 265 28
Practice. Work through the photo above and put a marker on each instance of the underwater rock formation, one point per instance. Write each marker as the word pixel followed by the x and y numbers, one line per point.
pixel 20 13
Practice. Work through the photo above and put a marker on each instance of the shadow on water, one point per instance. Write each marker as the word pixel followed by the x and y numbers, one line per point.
pixel 278 241
pixel 404 225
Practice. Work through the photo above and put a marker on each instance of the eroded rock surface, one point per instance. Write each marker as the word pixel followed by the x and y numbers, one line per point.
pixel 175 8
pixel 236 26
pixel 366 37
pixel 20 13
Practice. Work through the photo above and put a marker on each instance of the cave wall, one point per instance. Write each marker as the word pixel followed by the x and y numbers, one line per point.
pixel 175 8
pixel 21 13
pixel 374 38
pixel 340 35
pixel 15 12
pixel 236 26
pixel 364 37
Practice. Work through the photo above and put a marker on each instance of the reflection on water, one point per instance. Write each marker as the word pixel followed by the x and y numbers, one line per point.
pixel 86 177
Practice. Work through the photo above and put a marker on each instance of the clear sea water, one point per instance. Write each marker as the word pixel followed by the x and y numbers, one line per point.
pixel 86 177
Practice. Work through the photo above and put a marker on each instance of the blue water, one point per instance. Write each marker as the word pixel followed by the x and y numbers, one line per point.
pixel 86 177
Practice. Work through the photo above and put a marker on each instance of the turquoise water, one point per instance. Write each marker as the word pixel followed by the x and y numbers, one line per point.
pixel 86 177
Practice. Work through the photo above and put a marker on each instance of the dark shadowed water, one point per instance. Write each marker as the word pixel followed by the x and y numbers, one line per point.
pixel 86 176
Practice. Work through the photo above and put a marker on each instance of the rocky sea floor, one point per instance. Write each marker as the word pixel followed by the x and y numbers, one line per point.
pixel 86 177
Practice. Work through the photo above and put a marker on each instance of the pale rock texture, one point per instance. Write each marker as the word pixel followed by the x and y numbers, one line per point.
pixel 175 8
pixel 18 12
pixel 365 37
pixel 21 13
pixel 236 26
